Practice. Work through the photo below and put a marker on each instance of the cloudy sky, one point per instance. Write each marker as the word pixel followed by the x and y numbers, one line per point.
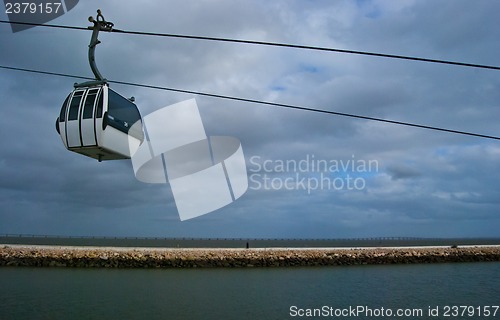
pixel 425 183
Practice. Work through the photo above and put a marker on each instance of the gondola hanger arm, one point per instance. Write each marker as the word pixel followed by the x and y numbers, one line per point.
pixel 100 24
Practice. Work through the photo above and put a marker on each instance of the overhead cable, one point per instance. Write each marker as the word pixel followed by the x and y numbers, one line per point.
pixel 272 44
pixel 269 103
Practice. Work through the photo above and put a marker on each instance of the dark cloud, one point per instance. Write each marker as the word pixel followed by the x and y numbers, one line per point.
pixel 402 172
pixel 426 183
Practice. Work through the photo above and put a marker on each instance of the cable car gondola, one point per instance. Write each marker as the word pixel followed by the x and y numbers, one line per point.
pixel 95 121
pixel 98 122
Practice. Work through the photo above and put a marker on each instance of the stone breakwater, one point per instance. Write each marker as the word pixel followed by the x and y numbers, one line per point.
pixel 95 257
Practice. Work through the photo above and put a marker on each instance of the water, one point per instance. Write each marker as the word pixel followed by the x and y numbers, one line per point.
pixel 239 243
pixel 63 293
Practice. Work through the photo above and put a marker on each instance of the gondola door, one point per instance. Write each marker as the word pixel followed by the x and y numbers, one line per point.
pixel 87 123
pixel 73 120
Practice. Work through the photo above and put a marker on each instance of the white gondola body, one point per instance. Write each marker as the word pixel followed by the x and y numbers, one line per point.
pixel 97 122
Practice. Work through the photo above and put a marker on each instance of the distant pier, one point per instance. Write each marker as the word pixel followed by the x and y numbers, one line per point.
pixel 159 242
pixel 123 257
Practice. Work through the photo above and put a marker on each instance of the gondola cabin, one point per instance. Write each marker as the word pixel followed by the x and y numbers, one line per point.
pixel 98 122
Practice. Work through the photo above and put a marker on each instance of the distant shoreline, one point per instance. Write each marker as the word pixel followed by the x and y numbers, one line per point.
pixel 108 257
pixel 157 242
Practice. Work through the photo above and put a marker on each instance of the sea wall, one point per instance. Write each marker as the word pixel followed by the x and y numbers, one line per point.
pixel 94 257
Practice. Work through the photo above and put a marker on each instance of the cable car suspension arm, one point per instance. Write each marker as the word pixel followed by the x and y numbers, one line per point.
pixel 100 24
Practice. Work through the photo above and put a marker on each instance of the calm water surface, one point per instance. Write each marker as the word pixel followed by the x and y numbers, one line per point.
pixel 63 293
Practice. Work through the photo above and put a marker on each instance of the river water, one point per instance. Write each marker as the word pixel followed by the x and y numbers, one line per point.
pixel 355 292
